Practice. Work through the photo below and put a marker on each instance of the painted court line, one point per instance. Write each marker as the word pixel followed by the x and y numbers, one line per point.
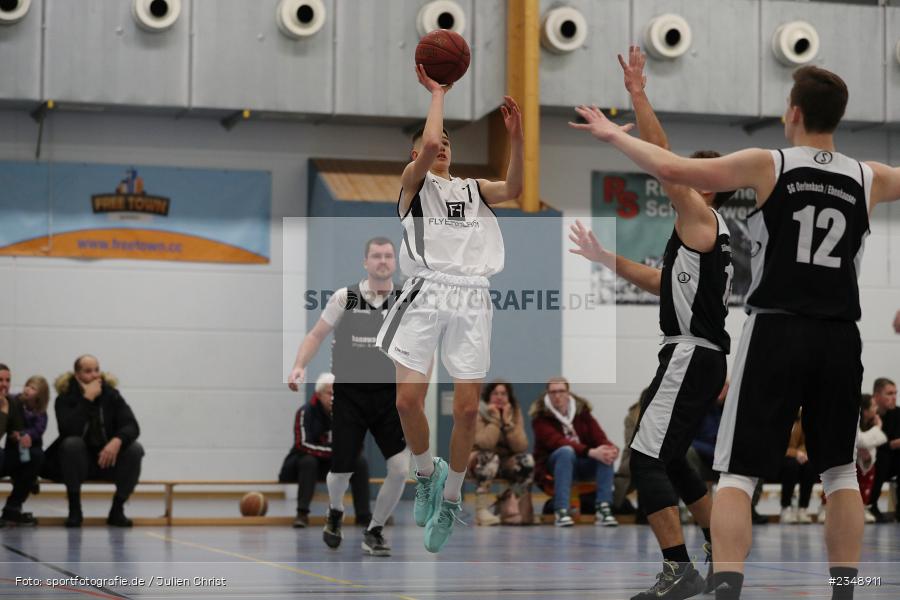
pixel 108 593
pixel 276 565
pixel 65 588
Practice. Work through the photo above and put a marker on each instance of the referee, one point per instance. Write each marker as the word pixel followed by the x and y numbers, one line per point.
pixel 364 391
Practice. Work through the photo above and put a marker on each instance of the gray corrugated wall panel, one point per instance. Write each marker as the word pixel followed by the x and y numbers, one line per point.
pixel 20 57
pixel 242 60
pixel 95 52
pixel 489 74
pixel 893 67
pixel 590 75
pixel 851 44
pixel 720 72
pixel 375 65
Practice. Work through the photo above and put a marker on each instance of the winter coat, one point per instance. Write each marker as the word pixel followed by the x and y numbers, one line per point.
pixel 312 430
pixel 548 434
pixel 505 438
pixel 74 413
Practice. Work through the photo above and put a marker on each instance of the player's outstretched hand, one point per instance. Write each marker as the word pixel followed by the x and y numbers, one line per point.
pixel 597 124
pixel 297 376
pixel 897 322
pixel 512 117
pixel 635 80
pixel 430 84
pixel 588 245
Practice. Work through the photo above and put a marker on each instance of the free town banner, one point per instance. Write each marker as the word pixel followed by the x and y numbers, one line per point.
pixel 94 211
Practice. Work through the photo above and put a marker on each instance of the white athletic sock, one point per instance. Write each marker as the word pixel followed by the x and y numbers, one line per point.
pixel 453 487
pixel 391 489
pixel 424 464
pixel 337 484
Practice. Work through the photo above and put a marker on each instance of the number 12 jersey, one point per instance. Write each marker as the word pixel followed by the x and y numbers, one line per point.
pixel 808 238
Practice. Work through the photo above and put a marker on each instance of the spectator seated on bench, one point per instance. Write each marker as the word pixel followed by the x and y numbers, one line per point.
pixel 309 460
pixel 97 439
pixel 570 445
pixel 501 450
pixel 23 419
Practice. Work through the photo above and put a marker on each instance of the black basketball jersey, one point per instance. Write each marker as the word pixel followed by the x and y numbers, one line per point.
pixel 355 357
pixel 695 286
pixel 808 237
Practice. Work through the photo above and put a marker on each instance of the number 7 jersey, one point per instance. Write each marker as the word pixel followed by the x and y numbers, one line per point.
pixel 808 238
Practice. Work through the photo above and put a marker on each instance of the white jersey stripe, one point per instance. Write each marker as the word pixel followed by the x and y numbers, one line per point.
pixel 725 438
pixel 655 421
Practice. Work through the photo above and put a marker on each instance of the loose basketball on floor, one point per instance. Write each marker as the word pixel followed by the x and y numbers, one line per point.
pixel 444 54
pixel 254 504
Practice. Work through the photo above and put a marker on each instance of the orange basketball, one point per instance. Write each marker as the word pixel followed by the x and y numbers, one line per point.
pixel 254 504
pixel 444 54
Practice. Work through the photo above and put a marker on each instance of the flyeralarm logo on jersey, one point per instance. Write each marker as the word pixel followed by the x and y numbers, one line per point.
pixel 130 197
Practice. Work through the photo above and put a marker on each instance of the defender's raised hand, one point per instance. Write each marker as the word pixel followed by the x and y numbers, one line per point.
pixel 588 245
pixel 428 83
pixel 597 124
pixel 635 80
pixel 512 117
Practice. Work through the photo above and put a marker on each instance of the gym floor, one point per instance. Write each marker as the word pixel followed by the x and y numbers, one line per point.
pixel 479 562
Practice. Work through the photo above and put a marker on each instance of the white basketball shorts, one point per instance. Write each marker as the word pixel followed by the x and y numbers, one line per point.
pixel 455 311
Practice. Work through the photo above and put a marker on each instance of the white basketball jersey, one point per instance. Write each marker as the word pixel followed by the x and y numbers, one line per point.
pixel 450 229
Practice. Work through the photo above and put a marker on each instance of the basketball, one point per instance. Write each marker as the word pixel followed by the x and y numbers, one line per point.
pixel 444 54
pixel 254 504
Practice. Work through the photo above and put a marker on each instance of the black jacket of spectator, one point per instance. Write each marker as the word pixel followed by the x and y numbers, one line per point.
pixel 890 424
pixel 312 436
pixel 75 414
pixel 12 421
pixel 312 429
pixel 110 414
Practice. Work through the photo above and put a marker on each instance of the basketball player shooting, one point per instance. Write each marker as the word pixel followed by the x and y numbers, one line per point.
pixel 800 345
pixel 451 245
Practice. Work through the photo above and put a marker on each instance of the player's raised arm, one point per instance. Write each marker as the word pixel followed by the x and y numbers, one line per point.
pixel 647 278
pixel 695 218
pixel 428 148
pixel 886 185
pixel 649 127
pixel 500 191
pixel 752 168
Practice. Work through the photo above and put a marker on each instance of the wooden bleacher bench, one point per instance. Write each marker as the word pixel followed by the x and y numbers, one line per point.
pixel 169 485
